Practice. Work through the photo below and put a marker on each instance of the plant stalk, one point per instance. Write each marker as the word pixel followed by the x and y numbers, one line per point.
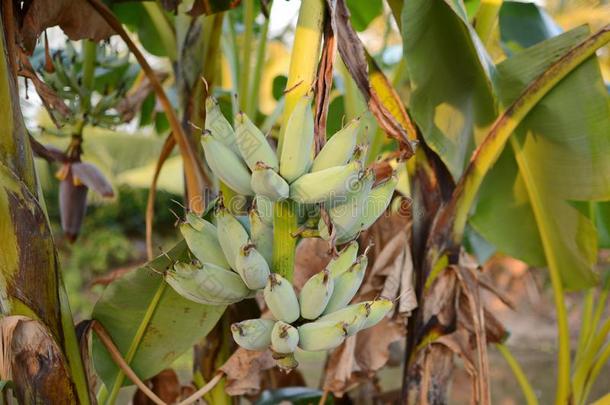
pixel 163 28
pixel 526 387
pixel 244 84
pixel 301 76
pixel 251 106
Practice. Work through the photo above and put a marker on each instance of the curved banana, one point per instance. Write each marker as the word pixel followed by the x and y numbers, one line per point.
pixel 217 124
pixel 339 148
pixel 261 234
pixel 253 334
pixel 379 308
pixel 347 217
pixel 284 338
pixel 203 242
pixel 253 144
pixel 347 256
pixel 231 234
pixel 347 285
pixel 266 182
pixel 207 283
pixel 226 164
pixel 281 299
pixel 315 294
pixel 296 155
pixel 354 316
pixel 377 202
pixel 252 267
pixel 321 335
pixel 326 185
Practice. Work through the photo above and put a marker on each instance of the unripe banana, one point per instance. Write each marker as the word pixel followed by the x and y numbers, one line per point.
pixel 203 241
pixel 325 185
pixel 321 335
pixel 253 334
pixel 253 144
pixel 226 164
pixel 252 267
pixel 354 316
pixel 231 234
pixel 377 202
pixel 347 285
pixel 207 283
pixel 284 338
pixel 315 294
pixel 217 124
pixel 379 308
pixel 346 217
pixel 297 136
pixel 261 234
pixel 339 148
pixel 344 260
pixel 265 181
pixel 264 209
pixel 281 298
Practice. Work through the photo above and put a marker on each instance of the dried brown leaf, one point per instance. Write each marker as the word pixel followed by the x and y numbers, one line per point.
pixel 208 7
pixel 75 17
pixel 165 384
pixel 312 256
pixel 131 104
pixel 354 56
pixel 30 357
pixel 243 370
pixel 324 83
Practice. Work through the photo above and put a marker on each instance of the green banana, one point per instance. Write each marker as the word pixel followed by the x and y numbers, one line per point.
pixel 326 185
pixel 252 267
pixel 354 316
pixel 315 294
pixel 226 164
pixel 284 338
pixel 264 209
pixel 347 285
pixel 203 242
pixel 252 144
pixel 347 256
pixel 321 335
pixel 379 308
pixel 206 283
pixel 253 334
pixel 231 234
pixel 265 181
pixel 377 202
pixel 217 124
pixel 261 234
pixel 281 299
pixel 339 148
pixel 346 217
pixel 296 155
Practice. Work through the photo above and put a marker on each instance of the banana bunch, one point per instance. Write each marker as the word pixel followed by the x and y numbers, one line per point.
pixel 319 318
pixel 335 178
pixel 229 265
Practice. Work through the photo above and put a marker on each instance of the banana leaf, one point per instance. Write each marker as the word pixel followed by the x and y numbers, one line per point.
pixel 559 154
pixel 149 322
pixel 451 76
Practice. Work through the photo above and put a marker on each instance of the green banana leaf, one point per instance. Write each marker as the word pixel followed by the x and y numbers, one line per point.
pixel 149 322
pixel 557 155
pixel 450 74
pixel 362 13
pixel 523 25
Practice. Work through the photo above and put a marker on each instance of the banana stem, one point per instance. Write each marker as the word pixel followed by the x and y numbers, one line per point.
pixel 526 387
pixel 284 244
pixel 301 75
pixel 89 55
pixel 247 53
